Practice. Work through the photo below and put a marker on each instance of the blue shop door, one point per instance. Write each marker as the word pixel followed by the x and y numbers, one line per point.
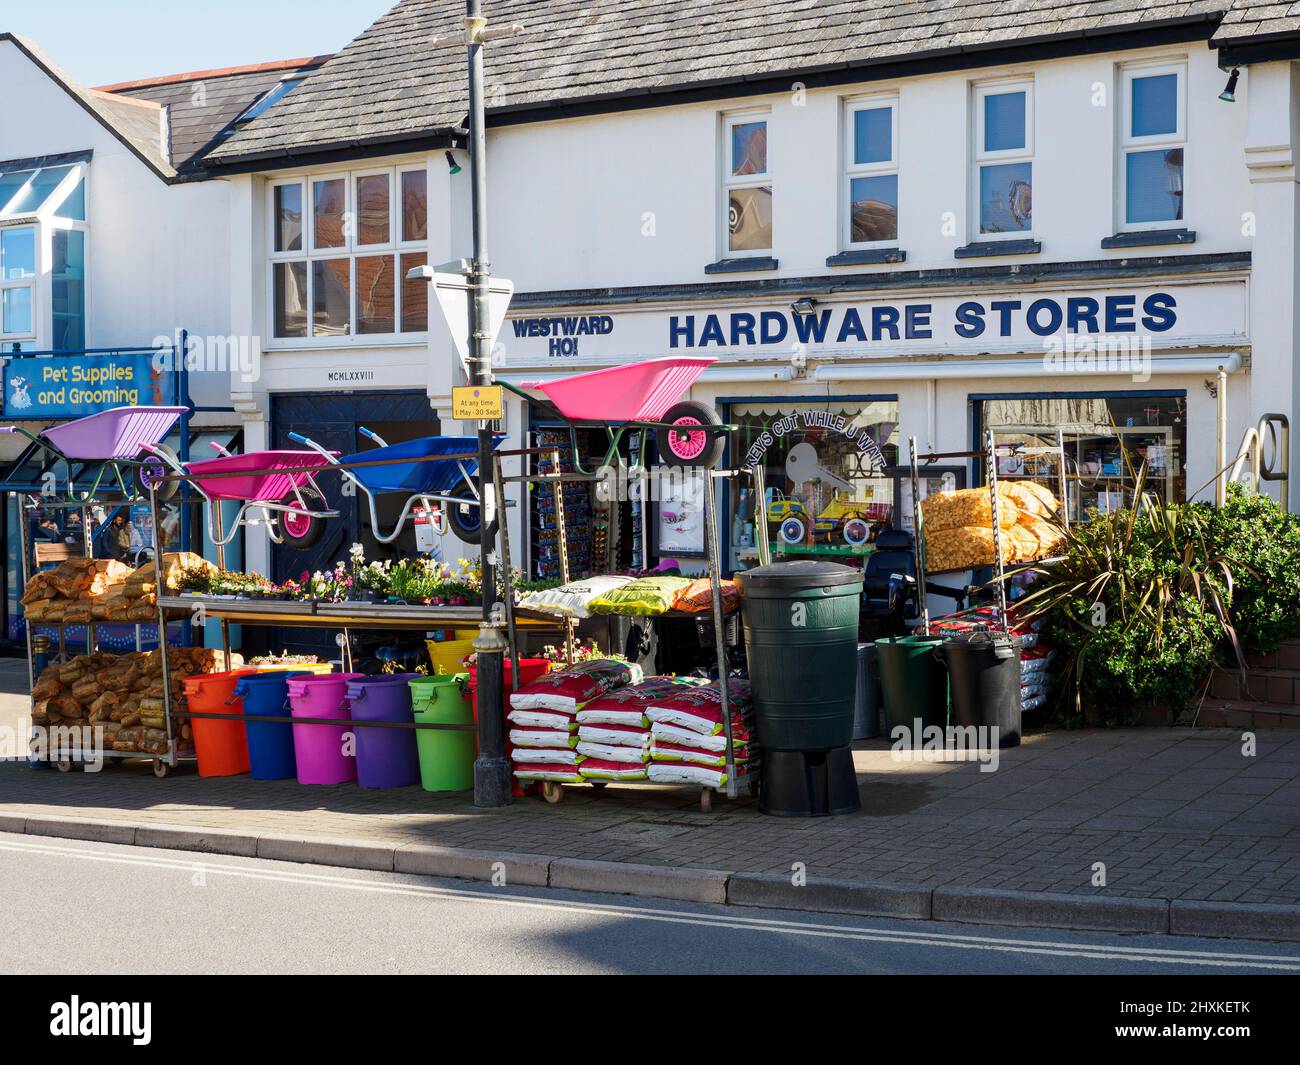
pixel 332 421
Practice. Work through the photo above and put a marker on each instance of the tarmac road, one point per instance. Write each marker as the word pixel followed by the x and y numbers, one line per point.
pixel 161 911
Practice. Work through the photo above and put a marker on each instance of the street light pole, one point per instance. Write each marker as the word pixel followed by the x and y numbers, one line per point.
pixel 491 768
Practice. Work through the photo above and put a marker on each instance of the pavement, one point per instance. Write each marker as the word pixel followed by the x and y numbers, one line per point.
pixel 15 706
pixel 219 914
pixel 1144 830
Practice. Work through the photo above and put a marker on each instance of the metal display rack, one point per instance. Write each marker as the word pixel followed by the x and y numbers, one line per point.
pixel 988 454
pixel 349 615
pixel 65 757
pixel 553 791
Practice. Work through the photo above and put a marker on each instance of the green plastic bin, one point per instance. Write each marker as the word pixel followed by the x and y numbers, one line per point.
pixel 913 681
pixel 801 638
pixel 446 755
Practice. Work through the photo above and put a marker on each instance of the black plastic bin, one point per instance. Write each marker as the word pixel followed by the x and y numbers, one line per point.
pixel 984 683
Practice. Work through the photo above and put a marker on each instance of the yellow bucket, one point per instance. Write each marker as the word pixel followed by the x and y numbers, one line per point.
pixel 448 655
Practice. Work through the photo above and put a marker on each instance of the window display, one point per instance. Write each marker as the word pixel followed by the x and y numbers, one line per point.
pixel 825 466
pixel 1107 440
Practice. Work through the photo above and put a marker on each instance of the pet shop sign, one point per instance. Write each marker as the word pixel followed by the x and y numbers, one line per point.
pixel 71 386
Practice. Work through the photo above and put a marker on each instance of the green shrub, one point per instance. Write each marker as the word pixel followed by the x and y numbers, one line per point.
pixel 1143 603
pixel 1263 541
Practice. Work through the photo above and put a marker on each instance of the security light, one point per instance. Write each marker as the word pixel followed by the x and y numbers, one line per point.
pixel 803 307
pixel 420 273
pixel 1229 94
pixel 453 167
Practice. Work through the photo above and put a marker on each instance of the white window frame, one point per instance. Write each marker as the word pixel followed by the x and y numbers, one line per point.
pixel 981 158
pixel 1129 144
pixel 44 221
pixel 730 182
pixel 351 250
pixel 32 284
pixel 853 170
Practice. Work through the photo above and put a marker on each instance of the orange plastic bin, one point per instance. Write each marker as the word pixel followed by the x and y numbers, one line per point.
pixel 221 746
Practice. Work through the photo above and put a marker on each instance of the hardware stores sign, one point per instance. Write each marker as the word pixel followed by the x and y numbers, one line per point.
pixel 1020 321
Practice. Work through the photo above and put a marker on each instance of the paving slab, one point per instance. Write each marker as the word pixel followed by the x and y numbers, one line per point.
pixel 1044 823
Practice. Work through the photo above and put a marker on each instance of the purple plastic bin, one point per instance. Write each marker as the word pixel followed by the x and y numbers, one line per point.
pixel 386 757
pixel 321 750
pixel 116 433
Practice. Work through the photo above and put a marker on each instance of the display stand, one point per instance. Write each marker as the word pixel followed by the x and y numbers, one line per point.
pixel 988 454
pixel 66 757
pixel 553 790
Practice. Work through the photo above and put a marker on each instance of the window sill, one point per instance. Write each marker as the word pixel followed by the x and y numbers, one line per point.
pixel 741 266
pixel 867 257
pixel 1149 238
pixel 980 249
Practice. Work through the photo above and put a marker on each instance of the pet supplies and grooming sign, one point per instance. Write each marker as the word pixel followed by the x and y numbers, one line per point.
pixel 71 386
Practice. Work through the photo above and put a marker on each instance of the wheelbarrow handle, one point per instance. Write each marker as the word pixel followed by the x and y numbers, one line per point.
pixel 298 438
pixel 373 437
pixel 223 451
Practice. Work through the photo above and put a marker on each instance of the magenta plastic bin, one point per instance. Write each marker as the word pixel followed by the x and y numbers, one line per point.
pixel 386 757
pixel 638 392
pixel 116 433
pixel 323 752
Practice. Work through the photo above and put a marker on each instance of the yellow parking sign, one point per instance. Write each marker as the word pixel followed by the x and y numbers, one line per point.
pixel 478 403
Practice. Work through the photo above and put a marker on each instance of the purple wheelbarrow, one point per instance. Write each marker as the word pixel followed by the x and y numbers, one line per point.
pixel 121 441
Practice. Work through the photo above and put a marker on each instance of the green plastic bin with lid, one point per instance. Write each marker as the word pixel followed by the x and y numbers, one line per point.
pixel 913 681
pixel 801 638
pixel 446 755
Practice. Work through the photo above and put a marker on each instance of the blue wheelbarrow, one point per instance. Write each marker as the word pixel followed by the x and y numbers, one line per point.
pixel 434 472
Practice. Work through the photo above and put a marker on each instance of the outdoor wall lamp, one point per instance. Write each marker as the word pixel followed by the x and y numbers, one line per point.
pixel 803 307
pixel 1229 94
pixel 453 167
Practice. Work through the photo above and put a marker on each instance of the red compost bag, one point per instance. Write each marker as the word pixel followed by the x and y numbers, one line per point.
pixel 567 689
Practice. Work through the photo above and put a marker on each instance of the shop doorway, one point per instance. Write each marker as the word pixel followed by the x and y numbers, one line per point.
pixel 333 421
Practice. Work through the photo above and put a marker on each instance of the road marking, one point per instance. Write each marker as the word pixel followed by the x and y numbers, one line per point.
pixel 812 929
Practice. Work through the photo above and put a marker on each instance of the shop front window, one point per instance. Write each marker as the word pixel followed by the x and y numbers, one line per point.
pixel 1107 440
pixel 825 466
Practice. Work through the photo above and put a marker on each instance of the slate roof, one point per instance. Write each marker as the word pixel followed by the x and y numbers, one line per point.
pixel 138 127
pixel 388 85
pixel 198 120
pixel 1249 22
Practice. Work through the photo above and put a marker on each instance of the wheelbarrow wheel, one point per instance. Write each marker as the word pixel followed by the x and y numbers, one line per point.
pixel 151 471
pixel 465 517
pixel 299 529
pixel 688 440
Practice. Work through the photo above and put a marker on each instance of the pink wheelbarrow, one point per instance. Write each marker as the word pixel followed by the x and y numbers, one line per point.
pixel 123 441
pixel 638 398
pixel 275 488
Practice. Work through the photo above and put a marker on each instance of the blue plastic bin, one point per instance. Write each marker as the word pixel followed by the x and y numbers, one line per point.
pixel 270 745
